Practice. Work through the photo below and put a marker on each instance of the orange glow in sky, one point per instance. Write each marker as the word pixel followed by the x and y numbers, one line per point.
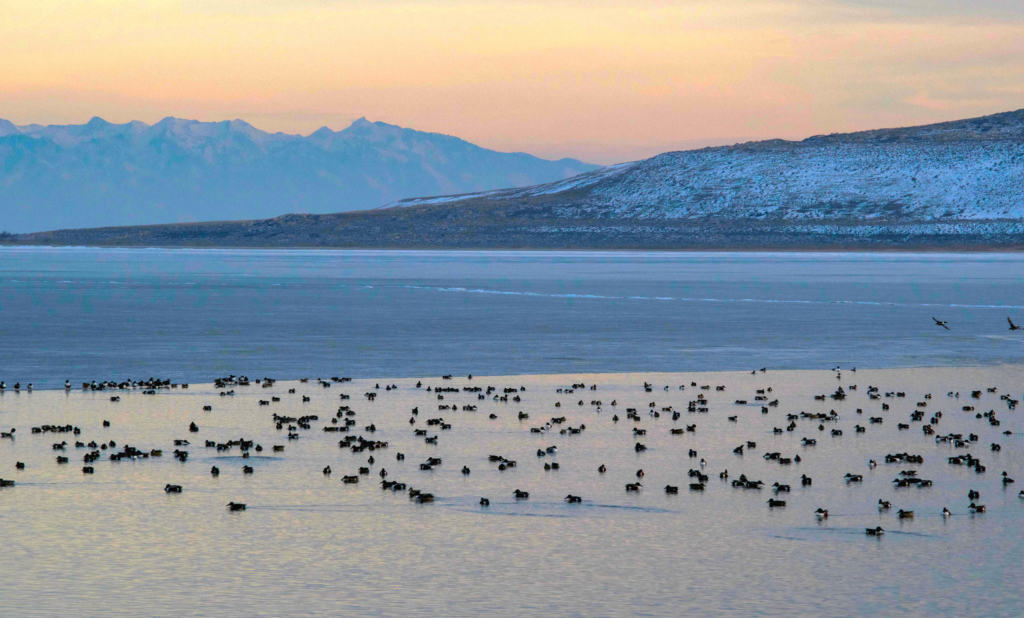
pixel 602 80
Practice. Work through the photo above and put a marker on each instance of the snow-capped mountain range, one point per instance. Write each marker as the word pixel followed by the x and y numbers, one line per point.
pixel 951 186
pixel 176 170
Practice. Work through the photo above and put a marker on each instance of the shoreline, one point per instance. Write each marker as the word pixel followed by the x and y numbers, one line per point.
pixel 556 377
pixel 820 249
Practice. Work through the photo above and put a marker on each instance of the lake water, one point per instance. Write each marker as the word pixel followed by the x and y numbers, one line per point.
pixel 190 315
pixel 114 543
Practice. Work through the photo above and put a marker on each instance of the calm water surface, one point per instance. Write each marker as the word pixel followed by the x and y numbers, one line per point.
pixel 83 314
pixel 115 543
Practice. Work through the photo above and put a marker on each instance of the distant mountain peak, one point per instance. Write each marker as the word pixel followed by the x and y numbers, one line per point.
pixel 177 169
pixel 8 128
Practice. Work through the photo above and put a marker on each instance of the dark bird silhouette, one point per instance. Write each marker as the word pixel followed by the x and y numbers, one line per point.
pixel 942 323
pixel 1012 325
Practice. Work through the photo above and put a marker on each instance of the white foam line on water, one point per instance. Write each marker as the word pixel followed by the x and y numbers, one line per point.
pixel 873 303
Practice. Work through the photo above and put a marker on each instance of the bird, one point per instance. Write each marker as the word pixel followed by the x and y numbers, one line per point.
pixel 942 323
pixel 1012 325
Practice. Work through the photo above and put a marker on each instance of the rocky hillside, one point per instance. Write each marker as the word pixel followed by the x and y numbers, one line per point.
pixel 962 170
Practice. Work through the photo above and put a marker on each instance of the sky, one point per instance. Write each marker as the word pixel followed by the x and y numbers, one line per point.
pixel 600 80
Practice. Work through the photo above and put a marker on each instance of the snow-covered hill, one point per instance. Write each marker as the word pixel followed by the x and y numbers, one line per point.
pixel 952 186
pixel 99 173
pixel 962 170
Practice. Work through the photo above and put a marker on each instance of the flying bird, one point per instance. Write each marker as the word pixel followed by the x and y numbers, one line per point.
pixel 941 323
pixel 1012 325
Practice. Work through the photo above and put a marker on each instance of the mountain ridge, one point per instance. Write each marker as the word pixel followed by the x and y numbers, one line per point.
pixel 178 170
pixel 956 185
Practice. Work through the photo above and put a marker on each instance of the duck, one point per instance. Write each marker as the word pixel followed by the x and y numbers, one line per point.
pixel 519 494
pixel 902 514
pixel 571 499
pixel 172 489
pixel 773 503
pixel 876 531
pixel 946 512
pixel 485 502
pixel 821 513
pixel 671 489
pixel 236 506
pixel 976 508
pixel 214 471
pixel 884 505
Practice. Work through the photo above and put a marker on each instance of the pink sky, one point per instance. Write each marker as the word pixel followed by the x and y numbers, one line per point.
pixel 603 80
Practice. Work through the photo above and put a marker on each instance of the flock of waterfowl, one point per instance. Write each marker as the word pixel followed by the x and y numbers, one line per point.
pixel 354 426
